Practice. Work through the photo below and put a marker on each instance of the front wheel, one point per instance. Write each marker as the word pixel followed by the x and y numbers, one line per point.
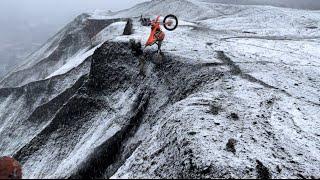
pixel 170 22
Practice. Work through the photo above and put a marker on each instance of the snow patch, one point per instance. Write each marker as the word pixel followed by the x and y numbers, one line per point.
pixel 74 61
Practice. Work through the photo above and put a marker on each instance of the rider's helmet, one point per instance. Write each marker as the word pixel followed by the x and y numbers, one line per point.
pixel 155 24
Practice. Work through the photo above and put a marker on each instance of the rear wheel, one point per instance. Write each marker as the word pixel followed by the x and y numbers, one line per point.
pixel 170 22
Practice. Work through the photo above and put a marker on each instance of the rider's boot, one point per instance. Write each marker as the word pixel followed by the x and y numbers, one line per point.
pixel 159 47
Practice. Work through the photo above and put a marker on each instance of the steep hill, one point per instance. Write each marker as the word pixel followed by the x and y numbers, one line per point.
pixel 237 96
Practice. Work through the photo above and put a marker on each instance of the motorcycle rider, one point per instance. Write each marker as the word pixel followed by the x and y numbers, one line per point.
pixel 157 35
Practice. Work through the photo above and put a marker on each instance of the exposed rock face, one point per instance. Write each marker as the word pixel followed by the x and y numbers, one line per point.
pixel 262 171
pixel 128 30
pixel 28 109
pixel 231 145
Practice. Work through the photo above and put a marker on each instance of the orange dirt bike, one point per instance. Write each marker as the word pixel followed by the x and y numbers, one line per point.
pixel 170 23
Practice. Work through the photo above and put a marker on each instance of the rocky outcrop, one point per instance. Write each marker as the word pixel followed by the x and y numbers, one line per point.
pixel 128 30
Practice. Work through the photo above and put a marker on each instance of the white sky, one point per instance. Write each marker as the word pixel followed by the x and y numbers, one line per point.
pixel 57 10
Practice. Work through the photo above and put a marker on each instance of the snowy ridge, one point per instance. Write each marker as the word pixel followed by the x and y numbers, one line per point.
pixel 74 61
pixel 25 109
pixel 76 37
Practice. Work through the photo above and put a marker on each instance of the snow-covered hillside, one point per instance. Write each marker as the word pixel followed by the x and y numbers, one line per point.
pixel 238 96
pixel 75 41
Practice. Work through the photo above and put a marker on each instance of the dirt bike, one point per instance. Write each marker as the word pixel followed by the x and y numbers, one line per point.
pixel 170 23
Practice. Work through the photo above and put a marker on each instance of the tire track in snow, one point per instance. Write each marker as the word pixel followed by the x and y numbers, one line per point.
pixel 235 70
